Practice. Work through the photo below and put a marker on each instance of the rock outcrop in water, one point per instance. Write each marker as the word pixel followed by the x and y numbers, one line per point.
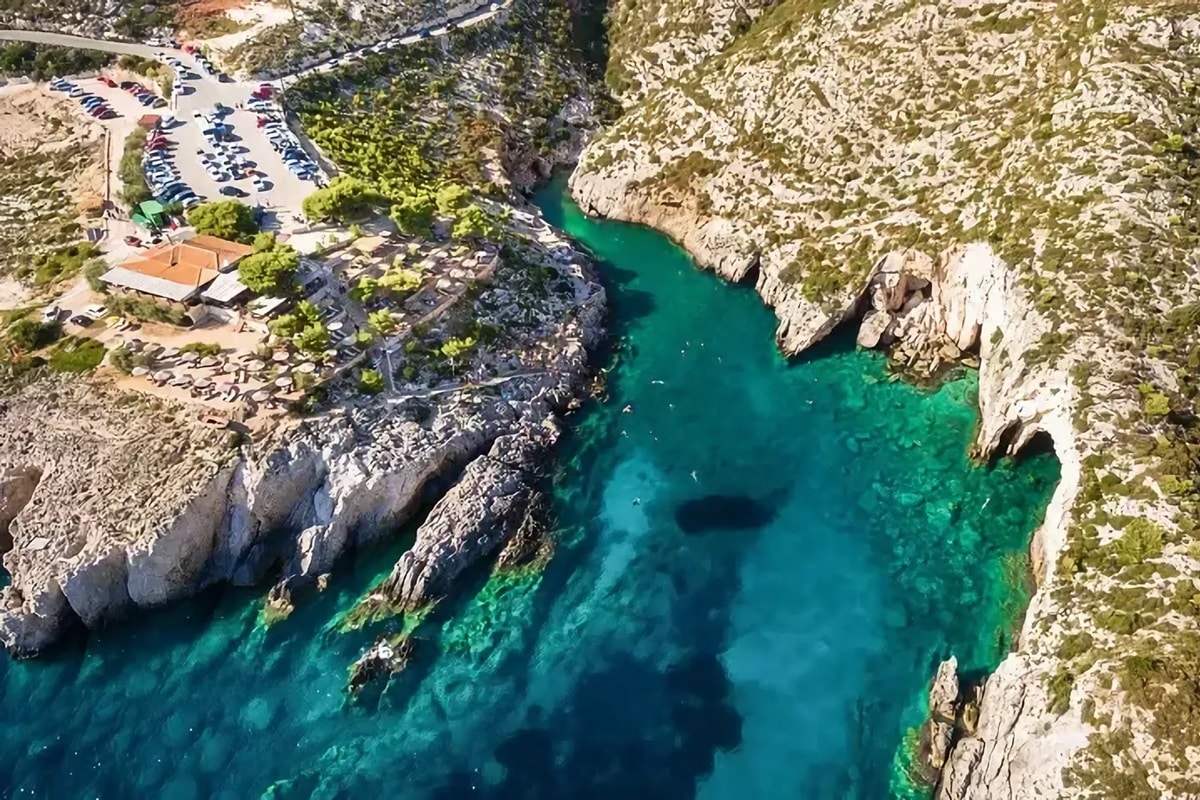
pixel 115 503
pixel 1001 182
pixel 480 514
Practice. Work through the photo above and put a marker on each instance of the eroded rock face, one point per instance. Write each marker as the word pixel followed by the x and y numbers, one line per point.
pixel 476 518
pixel 943 714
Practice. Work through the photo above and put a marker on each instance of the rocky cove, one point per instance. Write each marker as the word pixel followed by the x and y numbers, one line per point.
pixel 874 550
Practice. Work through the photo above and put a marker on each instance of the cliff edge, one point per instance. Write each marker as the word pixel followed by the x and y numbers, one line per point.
pixel 1007 182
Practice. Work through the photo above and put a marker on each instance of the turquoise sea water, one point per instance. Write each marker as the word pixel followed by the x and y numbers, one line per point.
pixel 778 649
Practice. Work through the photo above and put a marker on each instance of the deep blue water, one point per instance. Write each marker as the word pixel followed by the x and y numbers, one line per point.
pixel 837 546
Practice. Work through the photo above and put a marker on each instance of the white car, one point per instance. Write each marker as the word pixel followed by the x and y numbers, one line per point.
pixel 95 311
pixel 51 314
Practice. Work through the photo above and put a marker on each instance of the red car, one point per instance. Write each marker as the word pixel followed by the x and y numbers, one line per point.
pixel 189 48
pixel 133 241
pixel 107 81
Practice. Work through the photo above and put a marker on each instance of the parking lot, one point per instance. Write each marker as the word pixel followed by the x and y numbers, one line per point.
pixel 215 146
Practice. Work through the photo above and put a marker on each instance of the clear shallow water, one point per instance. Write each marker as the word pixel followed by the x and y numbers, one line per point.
pixel 780 660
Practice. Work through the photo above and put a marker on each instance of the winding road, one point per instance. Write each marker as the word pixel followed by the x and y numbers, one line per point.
pixel 482 13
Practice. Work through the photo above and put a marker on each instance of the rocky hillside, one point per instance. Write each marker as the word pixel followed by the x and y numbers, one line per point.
pixel 1015 182
pixel 656 41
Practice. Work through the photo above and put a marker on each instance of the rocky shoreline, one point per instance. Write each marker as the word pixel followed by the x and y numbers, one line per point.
pixel 113 503
pixel 964 302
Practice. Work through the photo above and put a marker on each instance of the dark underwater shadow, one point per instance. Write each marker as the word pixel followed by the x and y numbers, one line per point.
pixel 627 731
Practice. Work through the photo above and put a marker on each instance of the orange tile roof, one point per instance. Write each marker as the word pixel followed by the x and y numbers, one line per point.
pixel 196 262
pixel 228 251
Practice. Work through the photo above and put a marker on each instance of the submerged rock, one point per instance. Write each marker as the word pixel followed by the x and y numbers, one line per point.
pixel 386 657
pixel 279 604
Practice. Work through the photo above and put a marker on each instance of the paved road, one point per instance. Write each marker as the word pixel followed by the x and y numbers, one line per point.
pixel 80 42
pixel 480 15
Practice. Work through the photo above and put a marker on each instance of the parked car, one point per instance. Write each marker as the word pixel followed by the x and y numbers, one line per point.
pixel 133 241
pixel 81 320
pixel 233 191
pixel 95 311
pixel 51 314
pixel 107 81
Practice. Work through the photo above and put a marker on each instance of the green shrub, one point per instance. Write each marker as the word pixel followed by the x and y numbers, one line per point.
pixel 202 348
pixel 77 355
pixel 1141 541
pixel 1156 404
pixel 28 334
pixel 370 382
pixel 1059 686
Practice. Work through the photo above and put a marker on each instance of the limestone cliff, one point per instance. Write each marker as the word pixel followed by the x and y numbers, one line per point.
pixel 113 503
pixel 1013 182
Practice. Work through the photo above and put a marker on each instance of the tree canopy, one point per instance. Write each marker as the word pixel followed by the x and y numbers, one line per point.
pixel 28 334
pixel 452 197
pixel 271 271
pixel 304 315
pixel 346 198
pixel 382 321
pixel 413 213
pixel 228 219
pixel 473 222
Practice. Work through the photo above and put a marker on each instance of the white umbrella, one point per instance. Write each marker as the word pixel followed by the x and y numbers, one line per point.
pixel 138 372
pixel 209 361
pixel 283 382
pixel 334 326
pixel 257 365
pixel 163 376
pixel 202 383
pixel 280 356
pixel 261 396
pixel 170 352
pixel 189 357
pixel 231 367
pixel 307 367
